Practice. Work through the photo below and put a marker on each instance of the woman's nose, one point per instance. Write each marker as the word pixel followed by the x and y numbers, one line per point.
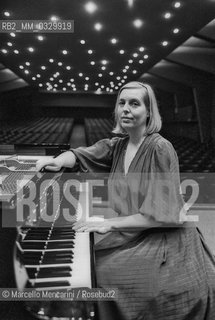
pixel 126 107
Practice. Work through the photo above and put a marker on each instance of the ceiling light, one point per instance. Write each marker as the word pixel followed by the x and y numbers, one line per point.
pixel 40 38
pixel 176 30
pixel 141 49
pixel 164 43
pixel 114 40
pixel 72 80
pixel 7 14
pixel 60 64
pixel 104 62
pixel 123 81
pixel 141 61
pixel 54 18
pixel 68 68
pixel 138 23
pixel 43 68
pixel 92 63
pixel 130 61
pixel 21 67
pixel 135 55
pixel 116 88
pixel 90 7
pixel 9 44
pixel 121 51
pixel 51 79
pixel 27 63
pixel 38 75
pixel 51 60
pixel 65 52
pixel 60 81
pixel 82 42
pixel 30 49
pixel 40 84
pixel 145 56
pixel 87 78
pixel 26 72
pixel 90 51
pixel 98 26
pixel 4 51
pixel 177 4
pixel 103 68
pixel 12 34
pixel 64 89
pixel 74 89
pixel 127 67
pixel 134 71
pixel 68 84
pixel 80 74
pixel 124 70
pixel 167 15
pixel 100 75
pixel 33 78
pixel 16 51
pixel 111 73
pixel 118 78
pixel 125 77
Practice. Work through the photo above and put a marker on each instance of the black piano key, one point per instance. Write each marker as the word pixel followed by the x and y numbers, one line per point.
pixel 49 245
pixel 51 254
pixel 61 260
pixel 49 284
pixel 51 236
pixel 49 272
pixel 60 245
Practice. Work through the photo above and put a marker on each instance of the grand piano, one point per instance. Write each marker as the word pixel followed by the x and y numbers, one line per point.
pixel 48 254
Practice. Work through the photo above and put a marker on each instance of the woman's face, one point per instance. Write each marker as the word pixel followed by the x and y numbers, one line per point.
pixel 132 112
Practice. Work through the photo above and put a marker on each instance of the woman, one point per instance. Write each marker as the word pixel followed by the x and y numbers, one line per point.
pixel 159 263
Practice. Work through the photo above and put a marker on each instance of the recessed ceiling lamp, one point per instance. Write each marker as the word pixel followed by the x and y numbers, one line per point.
pixel 27 63
pixel 92 63
pixel 30 49
pixel 164 43
pixel 104 62
pixel 16 51
pixel 65 52
pixel 98 26
pixel 40 38
pixel 176 30
pixel 141 49
pixel 7 14
pixel 90 51
pixel 90 7
pixel 82 41
pixel 121 51
pixel 51 60
pixel 167 15
pixel 12 34
pixel 113 40
pixel 138 23
pixel 9 44
pixel 68 68
pixel 177 4
pixel 54 18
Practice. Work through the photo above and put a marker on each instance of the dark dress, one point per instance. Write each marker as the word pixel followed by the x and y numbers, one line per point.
pixel 165 273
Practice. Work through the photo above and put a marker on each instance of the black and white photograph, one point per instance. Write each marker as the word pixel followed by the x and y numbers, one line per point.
pixel 107 160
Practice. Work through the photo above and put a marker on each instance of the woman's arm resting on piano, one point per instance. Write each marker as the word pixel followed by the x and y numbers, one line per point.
pixel 136 221
pixel 66 159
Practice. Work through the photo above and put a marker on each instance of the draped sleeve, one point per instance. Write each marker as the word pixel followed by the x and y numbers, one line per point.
pixel 161 198
pixel 97 158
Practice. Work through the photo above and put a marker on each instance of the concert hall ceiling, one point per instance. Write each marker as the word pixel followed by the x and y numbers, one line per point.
pixel 168 43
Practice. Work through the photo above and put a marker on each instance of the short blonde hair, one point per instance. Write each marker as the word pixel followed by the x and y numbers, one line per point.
pixel 154 122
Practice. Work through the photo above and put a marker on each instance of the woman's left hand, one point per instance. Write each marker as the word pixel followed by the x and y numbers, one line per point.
pixel 102 227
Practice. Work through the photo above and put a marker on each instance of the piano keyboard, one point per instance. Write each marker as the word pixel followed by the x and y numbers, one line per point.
pixel 53 256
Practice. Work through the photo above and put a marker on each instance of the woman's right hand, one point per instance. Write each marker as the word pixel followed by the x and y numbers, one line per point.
pixel 50 164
